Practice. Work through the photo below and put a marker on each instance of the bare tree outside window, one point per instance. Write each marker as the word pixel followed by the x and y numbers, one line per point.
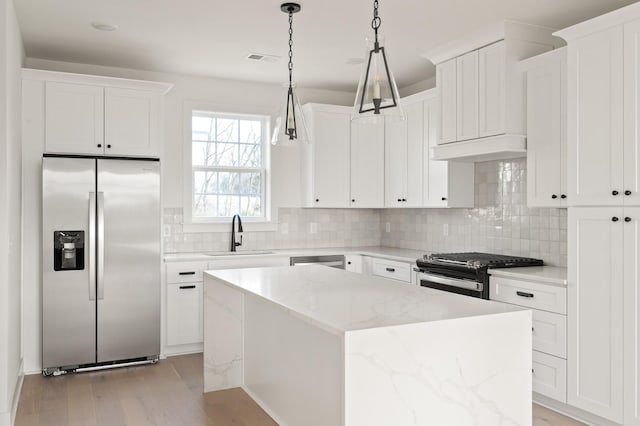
pixel 228 170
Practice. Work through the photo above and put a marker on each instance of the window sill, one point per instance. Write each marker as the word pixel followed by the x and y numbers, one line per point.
pixel 226 227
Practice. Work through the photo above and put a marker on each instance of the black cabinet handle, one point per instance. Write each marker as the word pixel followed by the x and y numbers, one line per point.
pixel 627 219
pixel 627 192
pixel 390 269
pixel 353 200
pixel 523 294
pixel 404 200
pixel 185 287
pixel 317 200
pixel 444 198
pixel 348 263
pixel 99 145
pixel 614 219
pixel 563 196
pixel 187 273
pixel 108 146
pixel 554 196
pixel 614 192
pixel 399 200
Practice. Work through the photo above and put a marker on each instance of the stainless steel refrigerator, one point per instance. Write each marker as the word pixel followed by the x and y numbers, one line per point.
pixel 101 262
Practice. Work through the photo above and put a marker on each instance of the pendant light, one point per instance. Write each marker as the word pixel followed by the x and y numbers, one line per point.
pixel 377 93
pixel 290 124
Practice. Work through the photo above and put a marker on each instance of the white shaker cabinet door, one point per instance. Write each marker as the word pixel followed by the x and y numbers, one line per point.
pixel 631 315
pixel 595 310
pixel 492 85
pixel 446 77
pixel 184 313
pixel 74 118
pixel 467 96
pixel 132 122
pixel 632 113
pixel 595 119
pixel 414 166
pixel 367 164
pixel 395 176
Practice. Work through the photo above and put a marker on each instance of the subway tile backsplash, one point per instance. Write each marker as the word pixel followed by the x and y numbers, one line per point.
pixel 501 222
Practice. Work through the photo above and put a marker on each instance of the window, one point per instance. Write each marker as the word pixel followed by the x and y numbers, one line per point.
pixel 229 165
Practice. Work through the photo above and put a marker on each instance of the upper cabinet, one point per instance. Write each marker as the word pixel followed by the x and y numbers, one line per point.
pixel 546 129
pixel 92 115
pixel 482 92
pixel 367 164
pixel 603 112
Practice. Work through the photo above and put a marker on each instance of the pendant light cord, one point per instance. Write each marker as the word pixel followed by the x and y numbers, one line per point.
pixel 376 21
pixel 291 46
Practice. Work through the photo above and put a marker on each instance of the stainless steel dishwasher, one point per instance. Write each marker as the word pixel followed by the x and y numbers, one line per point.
pixel 333 261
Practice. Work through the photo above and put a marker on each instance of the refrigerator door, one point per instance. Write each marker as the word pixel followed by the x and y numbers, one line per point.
pixel 68 313
pixel 128 283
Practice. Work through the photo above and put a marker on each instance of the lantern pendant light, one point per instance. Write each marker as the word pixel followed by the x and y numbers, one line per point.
pixel 290 124
pixel 377 90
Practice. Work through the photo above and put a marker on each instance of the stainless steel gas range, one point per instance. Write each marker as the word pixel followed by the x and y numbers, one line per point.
pixel 465 273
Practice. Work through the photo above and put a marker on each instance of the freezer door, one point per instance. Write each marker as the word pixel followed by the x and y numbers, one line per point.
pixel 128 282
pixel 68 313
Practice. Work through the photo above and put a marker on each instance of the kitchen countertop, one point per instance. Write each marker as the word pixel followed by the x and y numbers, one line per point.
pixel 546 274
pixel 394 253
pixel 339 301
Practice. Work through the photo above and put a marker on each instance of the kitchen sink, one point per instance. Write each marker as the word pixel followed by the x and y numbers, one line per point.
pixel 240 253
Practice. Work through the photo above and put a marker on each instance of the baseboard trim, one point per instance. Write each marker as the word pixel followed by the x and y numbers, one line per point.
pixel 572 412
pixel 182 350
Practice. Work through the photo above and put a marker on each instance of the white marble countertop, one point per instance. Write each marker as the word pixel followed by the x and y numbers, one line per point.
pixel 340 301
pixel 394 253
pixel 544 274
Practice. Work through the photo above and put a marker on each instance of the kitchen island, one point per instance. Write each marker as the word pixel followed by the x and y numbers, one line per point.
pixel 320 346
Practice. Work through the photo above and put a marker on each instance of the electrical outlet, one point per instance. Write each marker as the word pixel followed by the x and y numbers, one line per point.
pixel 445 229
pixel 284 228
pixel 166 230
pixel 387 227
pixel 313 227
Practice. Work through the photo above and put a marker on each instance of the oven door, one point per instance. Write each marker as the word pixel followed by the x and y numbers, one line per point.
pixel 465 286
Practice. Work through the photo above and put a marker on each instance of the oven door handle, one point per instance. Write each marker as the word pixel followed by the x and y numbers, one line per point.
pixel 453 282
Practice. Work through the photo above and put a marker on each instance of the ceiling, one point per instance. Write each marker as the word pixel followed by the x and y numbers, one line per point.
pixel 213 38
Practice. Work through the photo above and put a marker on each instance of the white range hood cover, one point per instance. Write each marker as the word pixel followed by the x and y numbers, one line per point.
pixel 484 149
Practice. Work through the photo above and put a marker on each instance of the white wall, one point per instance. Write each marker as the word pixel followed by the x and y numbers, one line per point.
pixel 11 56
pixel 224 94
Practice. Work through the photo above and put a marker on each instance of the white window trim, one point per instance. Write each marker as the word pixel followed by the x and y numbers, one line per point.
pixel 270 222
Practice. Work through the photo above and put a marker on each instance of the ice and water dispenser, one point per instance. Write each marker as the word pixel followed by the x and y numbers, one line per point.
pixel 68 250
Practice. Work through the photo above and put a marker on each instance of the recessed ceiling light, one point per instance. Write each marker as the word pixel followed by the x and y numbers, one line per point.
pixel 103 26
pixel 263 57
pixel 355 61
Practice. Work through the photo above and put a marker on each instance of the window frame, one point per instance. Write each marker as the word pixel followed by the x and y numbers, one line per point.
pixel 265 222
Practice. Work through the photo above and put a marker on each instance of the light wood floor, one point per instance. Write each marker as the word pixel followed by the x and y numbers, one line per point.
pixel 168 393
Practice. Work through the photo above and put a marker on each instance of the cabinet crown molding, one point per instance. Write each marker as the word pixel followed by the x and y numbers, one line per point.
pixel 600 23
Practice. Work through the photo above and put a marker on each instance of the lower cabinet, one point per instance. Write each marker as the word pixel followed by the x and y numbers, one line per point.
pixel 184 313
pixel 391 269
pixel 549 376
pixel 353 263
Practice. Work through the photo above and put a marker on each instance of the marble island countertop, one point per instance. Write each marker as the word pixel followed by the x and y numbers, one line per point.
pixel 339 301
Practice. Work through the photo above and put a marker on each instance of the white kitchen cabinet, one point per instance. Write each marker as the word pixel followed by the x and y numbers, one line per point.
pixel 446 82
pixel 367 164
pixel 492 87
pixel 549 375
pixel 467 96
pixel 445 183
pixel 631 136
pixel 354 263
pixel 595 304
pixel 546 129
pixel 74 118
pixel 403 158
pixel 631 316
pixel 184 313
pixel 92 115
pixel 326 159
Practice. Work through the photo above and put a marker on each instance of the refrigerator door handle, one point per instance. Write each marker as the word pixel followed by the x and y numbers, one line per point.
pixel 92 246
pixel 100 246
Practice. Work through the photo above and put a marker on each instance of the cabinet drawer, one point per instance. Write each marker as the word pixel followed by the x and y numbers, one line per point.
pixel 550 333
pixel 185 272
pixel 391 269
pixel 184 313
pixel 550 376
pixel 545 297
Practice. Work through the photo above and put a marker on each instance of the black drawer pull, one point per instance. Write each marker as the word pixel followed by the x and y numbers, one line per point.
pixel 390 269
pixel 184 287
pixel 523 294
pixel 187 273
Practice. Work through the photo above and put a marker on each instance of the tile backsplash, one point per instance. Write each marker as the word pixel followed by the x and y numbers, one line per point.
pixel 500 222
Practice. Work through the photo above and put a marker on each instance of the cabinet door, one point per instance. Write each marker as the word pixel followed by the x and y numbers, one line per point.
pixel 413 161
pixel 595 79
pixel 631 316
pixel 467 96
pixel 632 113
pixel 395 176
pixel 74 117
pixel 330 139
pixel 367 164
pixel 595 303
pixel 132 120
pixel 492 86
pixel 353 263
pixel 184 313
pixel 545 134
pixel 446 77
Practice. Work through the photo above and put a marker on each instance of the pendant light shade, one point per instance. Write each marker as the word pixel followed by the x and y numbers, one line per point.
pixel 377 93
pixel 290 125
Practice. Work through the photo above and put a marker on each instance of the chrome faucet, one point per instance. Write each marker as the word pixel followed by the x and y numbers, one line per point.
pixel 233 232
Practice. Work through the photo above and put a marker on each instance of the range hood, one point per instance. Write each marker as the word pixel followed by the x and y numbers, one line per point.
pixel 499 147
